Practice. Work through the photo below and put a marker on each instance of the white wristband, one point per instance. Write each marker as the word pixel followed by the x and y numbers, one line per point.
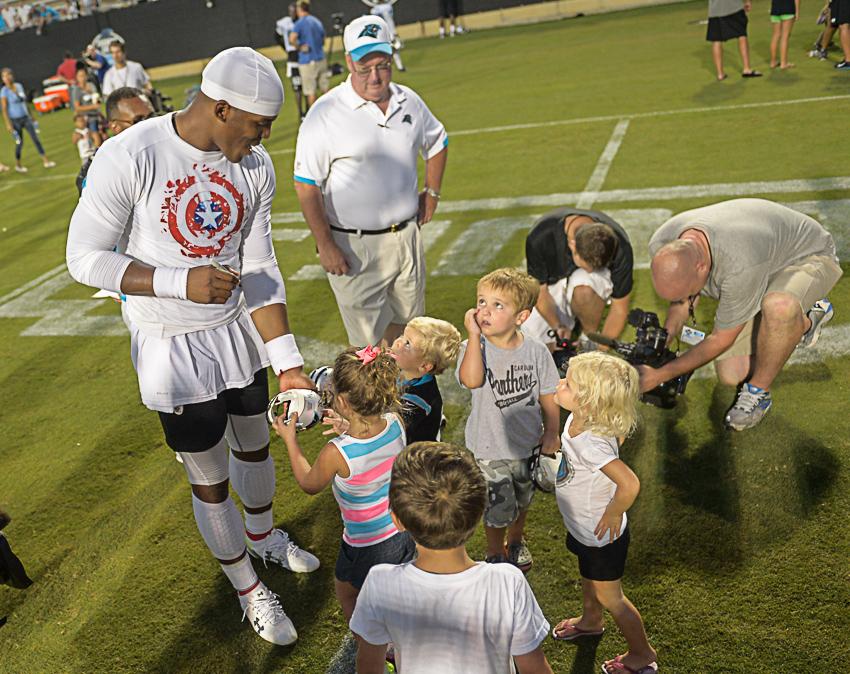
pixel 170 282
pixel 283 353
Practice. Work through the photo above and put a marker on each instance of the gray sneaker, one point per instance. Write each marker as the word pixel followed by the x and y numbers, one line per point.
pixel 520 556
pixel 820 314
pixel 750 407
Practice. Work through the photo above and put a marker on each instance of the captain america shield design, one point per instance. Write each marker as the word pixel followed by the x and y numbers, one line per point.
pixel 203 212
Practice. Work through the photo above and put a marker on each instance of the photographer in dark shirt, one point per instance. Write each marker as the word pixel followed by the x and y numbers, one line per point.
pixel 583 260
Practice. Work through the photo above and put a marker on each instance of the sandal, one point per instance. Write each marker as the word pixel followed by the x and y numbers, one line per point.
pixel 752 73
pixel 566 631
pixel 616 666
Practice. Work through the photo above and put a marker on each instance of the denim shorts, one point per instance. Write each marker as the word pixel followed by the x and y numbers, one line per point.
pixel 353 564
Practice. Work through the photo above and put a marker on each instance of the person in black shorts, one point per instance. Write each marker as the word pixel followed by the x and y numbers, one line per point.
pixel 727 19
pixel 783 14
pixel 840 18
pixel 450 10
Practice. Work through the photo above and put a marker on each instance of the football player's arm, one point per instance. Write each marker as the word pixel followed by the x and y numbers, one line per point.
pixel 96 226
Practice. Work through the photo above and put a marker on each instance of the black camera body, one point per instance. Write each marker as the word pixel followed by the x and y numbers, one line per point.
pixel 649 348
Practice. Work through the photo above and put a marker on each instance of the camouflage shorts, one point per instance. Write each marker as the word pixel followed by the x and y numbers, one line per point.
pixel 509 490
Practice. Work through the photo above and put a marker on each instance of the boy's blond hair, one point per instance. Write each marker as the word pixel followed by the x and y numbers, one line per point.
pixel 607 390
pixel 520 287
pixel 439 343
pixel 438 493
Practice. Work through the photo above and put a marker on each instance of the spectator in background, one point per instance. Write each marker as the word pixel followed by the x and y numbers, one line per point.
pixel 86 101
pixel 67 70
pixel 42 15
pixel 783 14
pixel 96 63
pixel 450 10
pixel 88 7
pixel 13 100
pixel 83 138
pixel 71 10
pixel 727 19
pixel 308 35
pixel 124 73
pixel 283 30
pixel 9 17
pixel 840 18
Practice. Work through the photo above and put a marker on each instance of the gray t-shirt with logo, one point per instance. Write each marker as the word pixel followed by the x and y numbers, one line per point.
pixel 724 7
pixel 506 421
pixel 751 240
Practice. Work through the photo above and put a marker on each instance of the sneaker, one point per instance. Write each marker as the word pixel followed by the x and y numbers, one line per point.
pixel 12 571
pixel 820 314
pixel 21 169
pixel 844 65
pixel 262 608
pixel 750 407
pixel 520 556
pixel 49 164
pixel 497 559
pixel 278 548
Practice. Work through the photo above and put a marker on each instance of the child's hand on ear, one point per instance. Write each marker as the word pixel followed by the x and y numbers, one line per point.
pixel 470 322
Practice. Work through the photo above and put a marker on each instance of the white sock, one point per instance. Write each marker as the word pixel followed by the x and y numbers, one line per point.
pixel 259 525
pixel 241 575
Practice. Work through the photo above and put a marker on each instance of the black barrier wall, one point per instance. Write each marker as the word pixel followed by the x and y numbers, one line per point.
pixel 172 31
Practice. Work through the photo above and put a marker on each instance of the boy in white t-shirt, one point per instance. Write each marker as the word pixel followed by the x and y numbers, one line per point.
pixel 444 612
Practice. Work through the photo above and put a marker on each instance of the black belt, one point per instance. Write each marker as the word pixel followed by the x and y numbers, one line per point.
pixel 392 228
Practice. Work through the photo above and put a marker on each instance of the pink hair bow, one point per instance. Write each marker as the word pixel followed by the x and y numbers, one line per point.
pixel 367 354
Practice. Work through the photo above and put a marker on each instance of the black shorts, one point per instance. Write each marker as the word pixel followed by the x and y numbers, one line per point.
pixel 839 12
pixel 605 563
pixel 201 425
pixel 353 564
pixel 722 28
pixel 449 8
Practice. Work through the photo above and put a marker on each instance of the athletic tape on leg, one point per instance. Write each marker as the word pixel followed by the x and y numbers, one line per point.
pixel 254 481
pixel 207 467
pixel 221 527
pixel 247 433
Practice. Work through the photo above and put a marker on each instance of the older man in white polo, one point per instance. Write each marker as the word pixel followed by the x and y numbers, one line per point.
pixel 356 178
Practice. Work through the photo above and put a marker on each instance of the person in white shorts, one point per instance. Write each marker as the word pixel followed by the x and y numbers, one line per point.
pixel 356 178
pixel 206 303
pixel 583 261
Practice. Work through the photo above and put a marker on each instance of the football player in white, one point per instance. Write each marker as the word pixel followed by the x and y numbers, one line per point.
pixel 206 304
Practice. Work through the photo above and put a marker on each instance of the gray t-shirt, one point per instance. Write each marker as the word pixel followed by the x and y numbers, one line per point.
pixel 724 7
pixel 506 421
pixel 750 240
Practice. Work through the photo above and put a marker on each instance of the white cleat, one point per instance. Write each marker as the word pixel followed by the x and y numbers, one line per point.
pixel 278 548
pixel 263 610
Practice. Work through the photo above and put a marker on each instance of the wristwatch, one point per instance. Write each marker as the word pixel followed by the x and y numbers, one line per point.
pixel 431 192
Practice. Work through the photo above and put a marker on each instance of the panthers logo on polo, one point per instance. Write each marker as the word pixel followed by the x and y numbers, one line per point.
pixel 370 30
pixel 202 212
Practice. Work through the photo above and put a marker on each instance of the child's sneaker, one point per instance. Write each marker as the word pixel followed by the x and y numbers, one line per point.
pixel 520 556
pixel 844 65
pixel 820 314
pixel 278 548
pixel 262 608
pixel 750 407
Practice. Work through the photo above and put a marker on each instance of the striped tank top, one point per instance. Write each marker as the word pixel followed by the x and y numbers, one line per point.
pixel 363 496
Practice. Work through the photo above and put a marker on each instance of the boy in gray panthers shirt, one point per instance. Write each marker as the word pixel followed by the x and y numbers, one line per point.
pixel 512 378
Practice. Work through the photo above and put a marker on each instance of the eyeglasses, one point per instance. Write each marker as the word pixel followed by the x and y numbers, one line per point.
pixel 135 120
pixel 380 68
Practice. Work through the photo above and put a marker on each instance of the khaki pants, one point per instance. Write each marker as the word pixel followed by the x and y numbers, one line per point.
pixel 314 77
pixel 808 280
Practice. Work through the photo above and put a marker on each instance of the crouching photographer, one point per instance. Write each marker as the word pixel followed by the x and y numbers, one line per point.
pixel 769 268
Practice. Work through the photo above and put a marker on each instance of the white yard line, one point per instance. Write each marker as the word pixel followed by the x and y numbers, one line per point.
pixel 644 115
pixel 289 150
pixel 600 172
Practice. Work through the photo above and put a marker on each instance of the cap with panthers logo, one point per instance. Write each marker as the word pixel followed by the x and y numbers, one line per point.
pixel 365 35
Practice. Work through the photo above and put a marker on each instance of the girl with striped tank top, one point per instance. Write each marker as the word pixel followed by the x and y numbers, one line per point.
pixel 357 463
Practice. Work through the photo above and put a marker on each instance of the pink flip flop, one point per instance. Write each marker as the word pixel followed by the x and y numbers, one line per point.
pixel 565 631
pixel 616 666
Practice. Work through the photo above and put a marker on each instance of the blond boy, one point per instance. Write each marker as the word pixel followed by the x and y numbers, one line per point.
pixel 512 378
pixel 427 347
pixel 444 612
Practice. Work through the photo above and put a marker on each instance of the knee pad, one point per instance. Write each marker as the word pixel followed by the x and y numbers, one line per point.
pixel 254 481
pixel 247 433
pixel 207 467
pixel 221 527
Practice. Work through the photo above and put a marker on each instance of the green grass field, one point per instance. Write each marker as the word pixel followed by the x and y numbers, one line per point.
pixel 739 562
